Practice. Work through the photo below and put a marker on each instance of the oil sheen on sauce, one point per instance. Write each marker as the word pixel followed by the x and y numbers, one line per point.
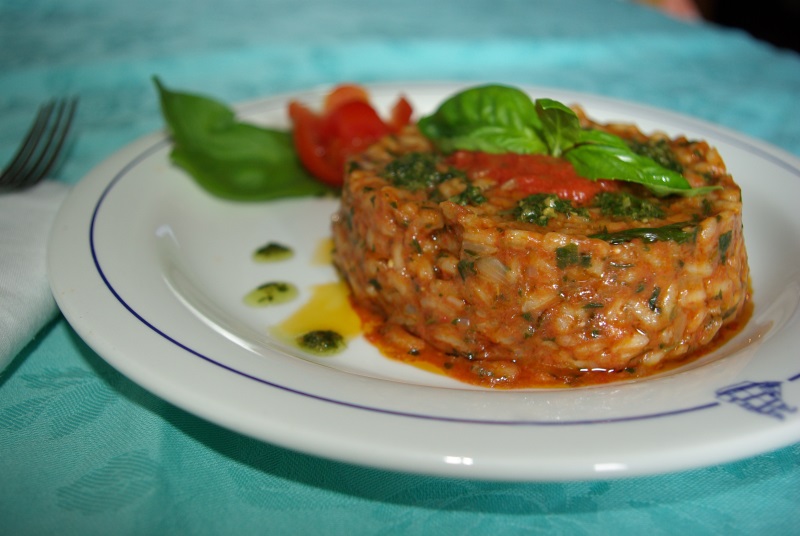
pixel 328 309
pixel 326 322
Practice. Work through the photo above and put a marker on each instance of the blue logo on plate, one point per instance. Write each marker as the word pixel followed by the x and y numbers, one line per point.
pixel 763 398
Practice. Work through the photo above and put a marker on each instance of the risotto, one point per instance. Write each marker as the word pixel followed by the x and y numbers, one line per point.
pixel 512 271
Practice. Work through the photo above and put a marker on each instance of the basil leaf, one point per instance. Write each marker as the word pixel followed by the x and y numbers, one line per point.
pixel 601 137
pixel 610 162
pixel 232 159
pixel 561 127
pixel 602 155
pixel 492 119
pixel 502 119
pixel 663 191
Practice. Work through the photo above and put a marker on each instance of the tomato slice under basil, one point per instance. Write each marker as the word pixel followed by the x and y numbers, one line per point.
pixel 531 174
pixel 347 125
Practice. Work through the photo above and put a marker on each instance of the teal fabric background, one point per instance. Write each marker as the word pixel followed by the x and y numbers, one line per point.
pixel 86 451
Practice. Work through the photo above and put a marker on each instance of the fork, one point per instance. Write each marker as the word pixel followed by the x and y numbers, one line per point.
pixel 39 151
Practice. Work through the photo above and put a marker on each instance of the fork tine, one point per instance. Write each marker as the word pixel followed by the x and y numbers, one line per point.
pixel 42 146
pixel 26 148
pixel 55 142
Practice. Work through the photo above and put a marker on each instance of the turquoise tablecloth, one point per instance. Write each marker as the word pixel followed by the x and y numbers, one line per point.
pixel 83 450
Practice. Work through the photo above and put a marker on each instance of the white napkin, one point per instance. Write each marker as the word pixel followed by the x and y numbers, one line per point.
pixel 26 303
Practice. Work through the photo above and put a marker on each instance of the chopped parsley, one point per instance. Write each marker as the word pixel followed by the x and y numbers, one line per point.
pixel 706 206
pixel 724 244
pixel 677 232
pixel 569 255
pixel 653 301
pixel 466 268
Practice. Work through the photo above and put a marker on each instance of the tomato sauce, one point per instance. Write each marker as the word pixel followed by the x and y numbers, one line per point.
pixel 529 375
pixel 531 174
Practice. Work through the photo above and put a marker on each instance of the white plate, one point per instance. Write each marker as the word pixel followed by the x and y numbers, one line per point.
pixel 150 271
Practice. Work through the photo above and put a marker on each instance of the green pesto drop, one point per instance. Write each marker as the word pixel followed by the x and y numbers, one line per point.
pixel 418 171
pixel 272 293
pixel 625 205
pixel 659 151
pixel 680 232
pixel 273 252
pixel 322 342
pixel 539 208
pixel 472 195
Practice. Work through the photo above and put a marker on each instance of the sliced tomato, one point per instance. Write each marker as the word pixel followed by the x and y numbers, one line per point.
pixel 343 94
pixel 401 114
pixel 354 124
pixel 531 174
pixel 347 125
pixel 310 148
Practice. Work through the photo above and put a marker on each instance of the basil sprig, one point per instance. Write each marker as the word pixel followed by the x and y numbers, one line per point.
pixel 492 119
pixel 231 159
pixel 503 119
